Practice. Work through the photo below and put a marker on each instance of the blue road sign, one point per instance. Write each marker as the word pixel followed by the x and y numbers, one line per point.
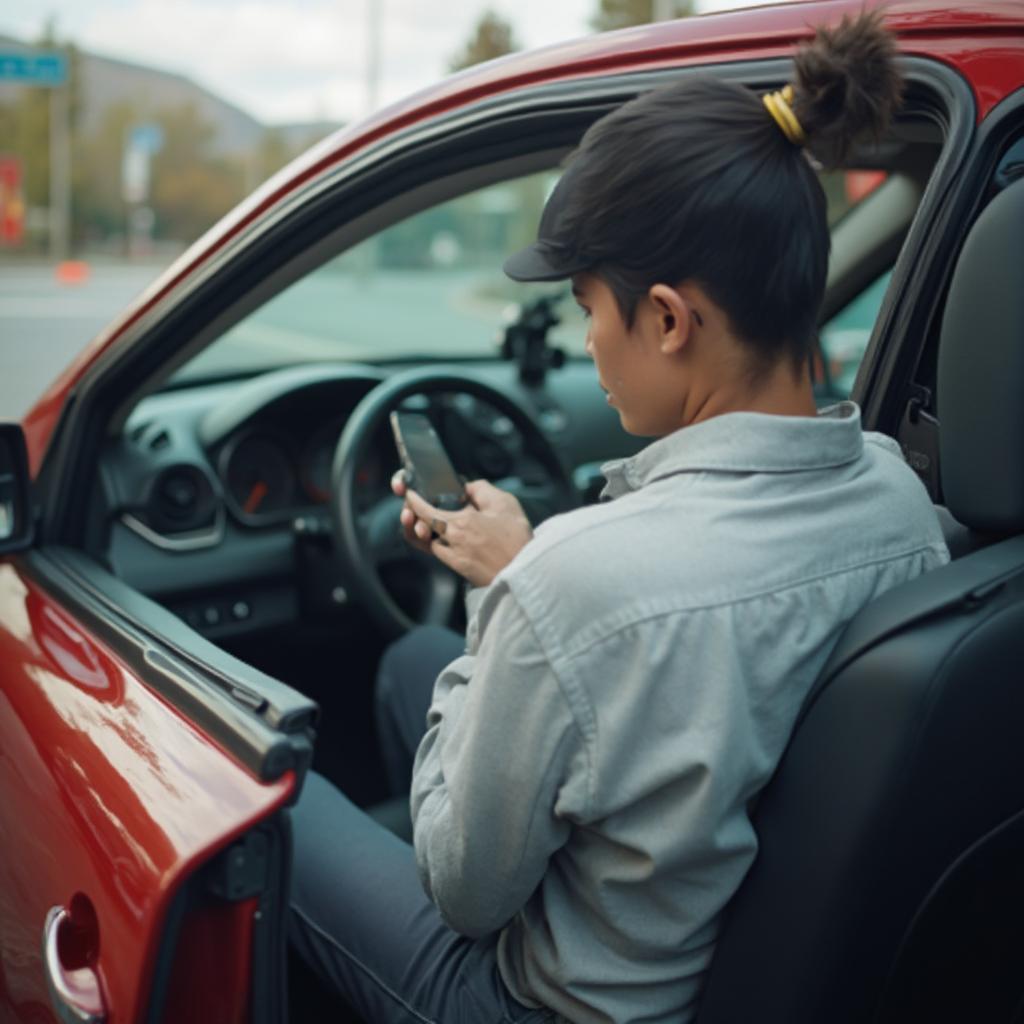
pixel 33 67
pixel 149 137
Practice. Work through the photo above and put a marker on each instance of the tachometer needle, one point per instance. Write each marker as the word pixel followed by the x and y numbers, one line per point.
pixel 256 495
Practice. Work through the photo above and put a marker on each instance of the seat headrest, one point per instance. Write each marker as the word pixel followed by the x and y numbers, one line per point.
pixel 981 372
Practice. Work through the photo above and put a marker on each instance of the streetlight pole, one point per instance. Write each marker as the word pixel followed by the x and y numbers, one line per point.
pixel 60 172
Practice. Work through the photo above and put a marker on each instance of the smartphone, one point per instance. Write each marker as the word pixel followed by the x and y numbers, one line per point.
pixel 428 469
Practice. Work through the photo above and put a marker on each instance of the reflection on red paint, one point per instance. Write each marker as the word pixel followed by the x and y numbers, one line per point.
pixel 126 798
pixel 71 652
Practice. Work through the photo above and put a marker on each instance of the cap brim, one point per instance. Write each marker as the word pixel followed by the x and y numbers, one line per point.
pixel 538 262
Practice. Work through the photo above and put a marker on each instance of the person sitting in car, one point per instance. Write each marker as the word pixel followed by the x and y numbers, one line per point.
pixel 588 756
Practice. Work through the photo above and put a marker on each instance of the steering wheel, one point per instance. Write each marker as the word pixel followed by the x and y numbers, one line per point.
pixel 366 540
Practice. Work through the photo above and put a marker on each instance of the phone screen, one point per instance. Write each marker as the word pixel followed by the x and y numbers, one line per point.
pixel 426 463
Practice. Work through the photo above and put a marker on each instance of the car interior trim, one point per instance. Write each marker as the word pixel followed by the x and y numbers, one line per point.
pixel 945 96
pixel 195 540
pixel 227 417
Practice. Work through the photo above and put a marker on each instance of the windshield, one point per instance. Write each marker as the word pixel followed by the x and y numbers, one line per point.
pixel 430 286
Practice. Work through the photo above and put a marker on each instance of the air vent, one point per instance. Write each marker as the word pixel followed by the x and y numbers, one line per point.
pixel 182 500
pixel 151 435
pixel 178 494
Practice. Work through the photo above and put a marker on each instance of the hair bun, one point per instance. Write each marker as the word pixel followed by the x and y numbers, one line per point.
pixel 847 86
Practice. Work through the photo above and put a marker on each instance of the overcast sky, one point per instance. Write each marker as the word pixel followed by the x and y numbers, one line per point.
pixel 296 60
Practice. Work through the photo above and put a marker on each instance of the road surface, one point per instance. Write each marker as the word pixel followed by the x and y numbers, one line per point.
pixel 327 315
pixel 44 323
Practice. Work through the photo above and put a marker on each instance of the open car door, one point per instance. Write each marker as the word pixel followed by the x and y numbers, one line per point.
pixel 144 853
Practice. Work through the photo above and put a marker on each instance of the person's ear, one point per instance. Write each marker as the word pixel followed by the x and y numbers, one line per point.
pixel 674 318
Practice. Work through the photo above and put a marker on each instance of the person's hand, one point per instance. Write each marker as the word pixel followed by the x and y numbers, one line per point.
pixel 477 541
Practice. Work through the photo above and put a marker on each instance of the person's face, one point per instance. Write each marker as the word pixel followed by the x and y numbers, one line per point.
pixel 639 378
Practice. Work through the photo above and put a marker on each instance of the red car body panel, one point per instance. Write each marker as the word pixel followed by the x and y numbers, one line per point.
pixel 110 794
pixel 984 42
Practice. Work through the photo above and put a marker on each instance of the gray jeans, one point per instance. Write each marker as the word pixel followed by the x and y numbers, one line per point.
pixel 360 917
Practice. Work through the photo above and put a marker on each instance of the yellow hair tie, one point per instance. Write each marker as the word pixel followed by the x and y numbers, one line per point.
pixel 779 106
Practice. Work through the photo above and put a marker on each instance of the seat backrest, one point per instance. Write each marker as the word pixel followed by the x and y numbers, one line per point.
pixel 889 883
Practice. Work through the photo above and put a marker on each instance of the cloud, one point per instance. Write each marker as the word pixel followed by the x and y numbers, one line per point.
pixel 304 59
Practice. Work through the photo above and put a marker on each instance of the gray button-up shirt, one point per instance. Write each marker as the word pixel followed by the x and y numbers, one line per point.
pixel 630 682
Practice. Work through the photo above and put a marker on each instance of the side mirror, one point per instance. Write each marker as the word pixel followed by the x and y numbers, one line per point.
pixel 16 523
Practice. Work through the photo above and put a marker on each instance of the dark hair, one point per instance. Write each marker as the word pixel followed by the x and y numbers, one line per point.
pixel 696 180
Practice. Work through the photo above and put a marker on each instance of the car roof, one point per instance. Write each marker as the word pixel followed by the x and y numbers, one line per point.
pixel 976 39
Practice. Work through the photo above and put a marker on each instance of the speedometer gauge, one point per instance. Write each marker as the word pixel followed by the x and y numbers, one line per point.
pixel 259 476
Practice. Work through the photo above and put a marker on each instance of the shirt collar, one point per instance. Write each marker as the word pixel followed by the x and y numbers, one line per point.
pixel 744 442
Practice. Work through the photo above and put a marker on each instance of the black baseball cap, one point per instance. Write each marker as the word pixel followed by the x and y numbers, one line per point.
pixel 553 257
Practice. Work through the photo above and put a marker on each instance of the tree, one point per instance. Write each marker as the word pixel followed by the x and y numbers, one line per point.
pixel 272 153
pixel 493 37
pixel 612 14
pixel 100 211
pixel 191 187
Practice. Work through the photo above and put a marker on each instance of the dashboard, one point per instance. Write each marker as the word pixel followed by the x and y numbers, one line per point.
pixel 215 499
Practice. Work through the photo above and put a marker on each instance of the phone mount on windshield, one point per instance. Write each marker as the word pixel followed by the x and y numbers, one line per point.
pixel 526 339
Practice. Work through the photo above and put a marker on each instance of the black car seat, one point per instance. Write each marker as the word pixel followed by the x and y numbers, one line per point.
pixel 889 883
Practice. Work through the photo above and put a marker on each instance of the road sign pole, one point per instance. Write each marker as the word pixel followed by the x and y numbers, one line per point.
pixel 60 172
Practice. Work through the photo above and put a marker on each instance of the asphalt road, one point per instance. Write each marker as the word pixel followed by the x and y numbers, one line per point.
pixel 389 315
pixel 44 323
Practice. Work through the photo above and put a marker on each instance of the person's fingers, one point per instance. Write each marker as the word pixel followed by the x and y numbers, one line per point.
pixel 420 506
pixel 408 520
pixel 444 553
pixel 398 485
pixel 483 493
pixel 415 541
pixel 416 534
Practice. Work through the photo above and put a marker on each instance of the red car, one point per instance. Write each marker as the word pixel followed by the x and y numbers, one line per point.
pixel 200 562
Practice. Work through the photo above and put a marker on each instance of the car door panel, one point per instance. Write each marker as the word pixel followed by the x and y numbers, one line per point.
pixel 112 799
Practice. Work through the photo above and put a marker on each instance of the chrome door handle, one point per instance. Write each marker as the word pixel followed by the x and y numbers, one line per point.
pixel 74 992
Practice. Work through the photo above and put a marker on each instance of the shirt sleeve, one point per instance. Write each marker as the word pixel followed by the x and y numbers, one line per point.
pixel 499 774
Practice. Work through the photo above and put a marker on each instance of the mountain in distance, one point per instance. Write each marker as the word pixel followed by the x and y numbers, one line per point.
pixel 105 81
